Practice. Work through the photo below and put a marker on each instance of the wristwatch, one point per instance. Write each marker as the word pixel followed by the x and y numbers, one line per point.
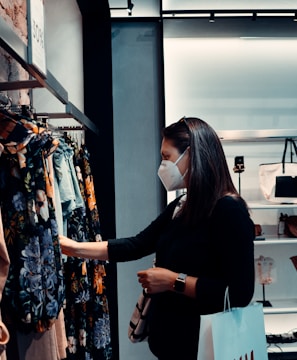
pixel 180 283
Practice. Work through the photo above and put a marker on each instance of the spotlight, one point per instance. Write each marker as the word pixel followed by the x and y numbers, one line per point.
pixel 254 17
pixel 212 17
pixel 295 17
pixel 130 7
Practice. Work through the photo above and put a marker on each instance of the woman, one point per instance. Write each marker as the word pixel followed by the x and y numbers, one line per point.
pixel 203 242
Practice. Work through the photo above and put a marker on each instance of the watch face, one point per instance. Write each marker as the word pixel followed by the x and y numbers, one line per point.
pixel 179 285
pixel 180 282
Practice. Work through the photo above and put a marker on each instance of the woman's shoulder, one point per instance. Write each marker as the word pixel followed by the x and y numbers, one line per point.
pixel 231 201
pixel 231 209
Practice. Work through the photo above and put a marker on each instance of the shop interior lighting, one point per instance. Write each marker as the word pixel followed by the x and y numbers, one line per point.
pixel 223 14
pixel 190 15
pixel 212 17
pixel 130 7
pixel 277 14
pixel 254 14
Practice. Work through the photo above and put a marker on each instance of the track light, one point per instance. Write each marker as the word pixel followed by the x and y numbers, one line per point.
pixel 254 17
pixel 212 17
pixel 130 7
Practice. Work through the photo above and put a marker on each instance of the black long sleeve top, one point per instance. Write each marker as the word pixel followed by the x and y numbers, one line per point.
pixel 219 252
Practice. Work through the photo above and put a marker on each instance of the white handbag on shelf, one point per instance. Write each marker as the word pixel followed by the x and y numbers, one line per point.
pixel 278 181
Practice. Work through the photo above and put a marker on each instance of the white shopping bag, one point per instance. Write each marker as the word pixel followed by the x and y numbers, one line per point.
pixel 235 334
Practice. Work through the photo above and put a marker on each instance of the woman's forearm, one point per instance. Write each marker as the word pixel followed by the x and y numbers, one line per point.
pixel 87 250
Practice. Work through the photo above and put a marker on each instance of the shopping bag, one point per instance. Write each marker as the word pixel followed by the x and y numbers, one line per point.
pixel 278 181
pixel 235 334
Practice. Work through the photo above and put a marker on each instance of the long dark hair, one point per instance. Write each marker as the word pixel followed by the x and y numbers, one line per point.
pixel 209 176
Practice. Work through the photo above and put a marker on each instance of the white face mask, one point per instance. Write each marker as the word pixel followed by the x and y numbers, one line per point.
pixel 170 175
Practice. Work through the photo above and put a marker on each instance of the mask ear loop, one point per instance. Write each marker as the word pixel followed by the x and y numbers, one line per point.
pixel 187 170
pixel 181 156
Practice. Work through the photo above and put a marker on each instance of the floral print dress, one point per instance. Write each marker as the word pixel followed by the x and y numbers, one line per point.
pixel 39 283
pixel 86 311
pixel 34 290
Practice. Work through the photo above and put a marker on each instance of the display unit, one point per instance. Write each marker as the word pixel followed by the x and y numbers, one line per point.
pixel 279 294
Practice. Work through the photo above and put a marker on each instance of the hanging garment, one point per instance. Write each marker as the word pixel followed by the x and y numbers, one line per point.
pixel 68 187
pixel 34 290
pixel 4 258
pixel 4 266
pixel 86 314
pixel 11 129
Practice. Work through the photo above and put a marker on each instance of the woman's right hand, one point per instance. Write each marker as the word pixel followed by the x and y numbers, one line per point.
pixel 68 246
pixel 87 250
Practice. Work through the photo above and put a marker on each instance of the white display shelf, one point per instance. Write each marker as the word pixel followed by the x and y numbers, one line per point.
pixel 282 324
pixel 275 240
pixel 282 348
pixel 257 135
pixel 259 205
pixel 281 306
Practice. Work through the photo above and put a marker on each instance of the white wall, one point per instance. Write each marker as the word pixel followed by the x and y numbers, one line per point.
pixel 244 80
pixel 64 55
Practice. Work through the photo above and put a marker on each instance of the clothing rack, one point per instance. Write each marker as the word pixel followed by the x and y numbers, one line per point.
pixel 71 112
pixel 75 133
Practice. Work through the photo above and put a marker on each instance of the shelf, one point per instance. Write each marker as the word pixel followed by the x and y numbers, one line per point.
pixel 270 205
pixel 281 306
pixel 274 240
pixel 282 348
pixel 257 135
pixel 281 324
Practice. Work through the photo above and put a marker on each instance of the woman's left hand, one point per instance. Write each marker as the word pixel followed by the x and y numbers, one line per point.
pixel 156 279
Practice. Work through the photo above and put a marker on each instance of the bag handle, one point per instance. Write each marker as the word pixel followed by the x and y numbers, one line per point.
pixel 292 142
pixel 227 306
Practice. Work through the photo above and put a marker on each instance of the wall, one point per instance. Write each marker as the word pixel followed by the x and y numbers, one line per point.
pixel 64 56
pixel 137 124
pixel 14 13
pixel 235 73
